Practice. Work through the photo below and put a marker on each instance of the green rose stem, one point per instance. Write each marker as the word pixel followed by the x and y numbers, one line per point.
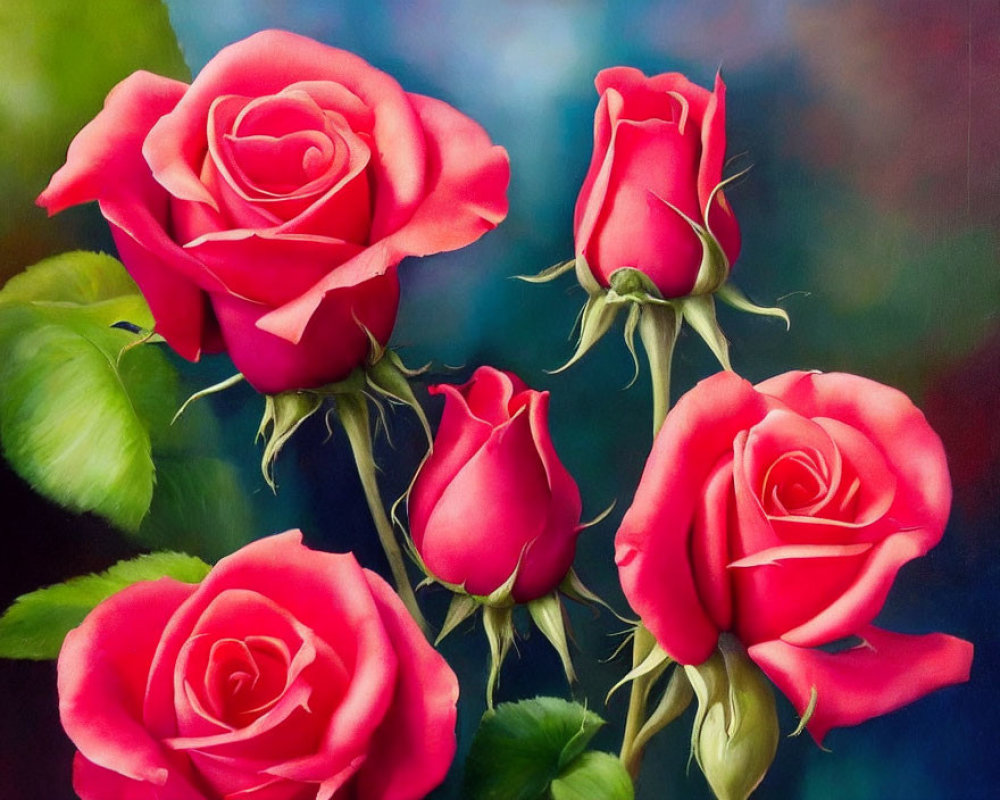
pixel 658 329
pixel 659 325
pixel 352 411
pixel 631 754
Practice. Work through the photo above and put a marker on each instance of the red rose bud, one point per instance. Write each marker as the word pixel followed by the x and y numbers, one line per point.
pixel 263 208
pixel 782 512
pixel 287 673
pixel 493 497
pixel 652 200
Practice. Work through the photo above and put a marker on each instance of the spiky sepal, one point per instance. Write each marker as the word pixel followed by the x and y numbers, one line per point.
pixel 548 614
pixel 650 665
pixel 658 319
pixel 383 378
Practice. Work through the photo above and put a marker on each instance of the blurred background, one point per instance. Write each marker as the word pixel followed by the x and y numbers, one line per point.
pixel 871 213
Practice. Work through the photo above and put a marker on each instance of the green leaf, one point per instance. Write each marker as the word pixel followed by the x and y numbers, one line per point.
pixel 520 748
pixel 77 278
pixel 72 423
pixel 594 776
pixel 87 410
pixel 36 624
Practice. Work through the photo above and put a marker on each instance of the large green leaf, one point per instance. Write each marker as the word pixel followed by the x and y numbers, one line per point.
pixel 77 278
pixel 520 748
pixel 68 423
pixel 36 624
pixel 87 420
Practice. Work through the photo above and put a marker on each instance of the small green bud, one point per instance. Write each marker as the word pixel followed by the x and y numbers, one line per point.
pixel 735 734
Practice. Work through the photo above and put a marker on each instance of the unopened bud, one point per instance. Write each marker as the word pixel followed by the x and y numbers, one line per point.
pixel 735 735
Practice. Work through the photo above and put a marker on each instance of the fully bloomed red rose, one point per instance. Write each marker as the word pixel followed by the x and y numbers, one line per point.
pixel 263 209
pixel 286 674
pixel 493 494
pixel 782 512
pixel 659 147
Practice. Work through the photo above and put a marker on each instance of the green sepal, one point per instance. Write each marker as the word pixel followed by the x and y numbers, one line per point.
pixel 595 320
pixel 549 273
pixel 585 276
pixel 807 714
pixel 735 734
pixel 143 336
pixel 221 386
pixel 521 748
pixel 593 776
pixel 713 271
pixel 36 624
pixel 631 325
pixel 574 588
pixel 699 311
pixel 283 414
pixel 503 595
pixel 498 622
pixel 550 618
pixel 732 296
pixel 714 268
pixel 653 664
pixel 630 285
pixel 461 608
pixel 673 702
pixel 388 377
pixel 383 376
pixel 599 518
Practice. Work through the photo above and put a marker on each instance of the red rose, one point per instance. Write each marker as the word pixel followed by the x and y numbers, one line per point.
pixel 659 146
pixel 782 512
pixel 286 674
pixel 493 493
pixel 271 200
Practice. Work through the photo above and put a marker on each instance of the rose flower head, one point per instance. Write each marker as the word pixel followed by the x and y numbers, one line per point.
pixel 652 199
pixel 286 674
pixel 781 513
pixel 492 497
pixel 263 208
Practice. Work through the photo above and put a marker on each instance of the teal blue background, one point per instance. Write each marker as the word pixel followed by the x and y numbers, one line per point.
pixel 871 213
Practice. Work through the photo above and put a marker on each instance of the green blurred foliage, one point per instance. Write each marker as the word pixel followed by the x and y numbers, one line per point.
pixel 58 60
